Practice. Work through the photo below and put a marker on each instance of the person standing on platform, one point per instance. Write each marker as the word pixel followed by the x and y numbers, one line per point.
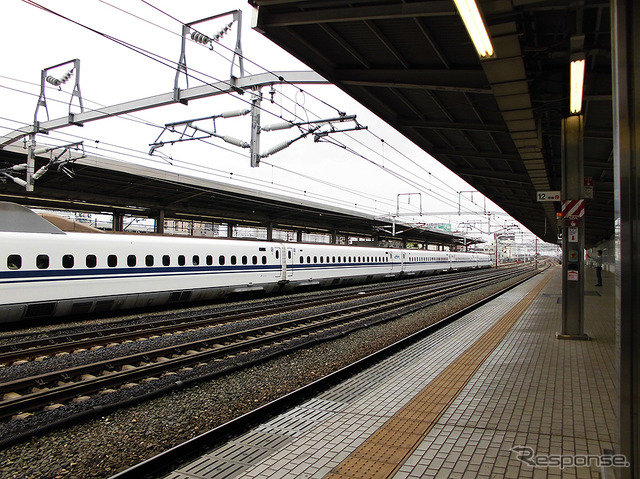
pixel 598 261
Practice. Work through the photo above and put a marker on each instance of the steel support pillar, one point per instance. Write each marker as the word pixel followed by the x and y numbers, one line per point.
pixel 255 129
pixel 572 231
pixel 118 221
pixel 160 222
pixel 625 22
pixel 31 162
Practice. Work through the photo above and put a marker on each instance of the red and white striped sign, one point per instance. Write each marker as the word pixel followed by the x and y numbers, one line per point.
pixel 573 209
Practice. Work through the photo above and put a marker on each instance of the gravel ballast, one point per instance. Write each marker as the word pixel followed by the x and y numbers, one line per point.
pixel 101 447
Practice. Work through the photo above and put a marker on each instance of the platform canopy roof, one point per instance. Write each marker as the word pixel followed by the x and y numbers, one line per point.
pixel 105 185
pixel 497 123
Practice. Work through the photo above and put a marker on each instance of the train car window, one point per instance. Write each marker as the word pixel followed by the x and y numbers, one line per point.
pixel 209 260
pixel 42 261
pixel 334 259
pixel 195 260
pixel 166 260
pixel 149 260
pixel 289 254
pixel 349 259
pixel 254 260
pixel 339 259
pixel 112 261
pixel 301 259
pixel 244 260
pixel 131 260
pixel 221 260
pixel 264 260
pixel 328 260
pixel 262 249
pixel 315 259
pixel 91 261
pixel 322 259
pixel 14 261
pixel 233 260
pixel 181 260
pixel 308 259
pixel 68 261
pixel 277 254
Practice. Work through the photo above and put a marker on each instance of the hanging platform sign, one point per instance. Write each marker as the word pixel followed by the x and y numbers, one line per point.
pixel 548 195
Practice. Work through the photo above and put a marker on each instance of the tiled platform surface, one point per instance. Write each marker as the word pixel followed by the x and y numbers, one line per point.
pixel 554 396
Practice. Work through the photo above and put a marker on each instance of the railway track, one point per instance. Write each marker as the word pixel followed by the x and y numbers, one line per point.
pixel 53 389
pixel 15 348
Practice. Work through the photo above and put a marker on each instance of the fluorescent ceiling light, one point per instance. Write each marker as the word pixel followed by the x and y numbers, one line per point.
pixel 577 82
pixel 475 26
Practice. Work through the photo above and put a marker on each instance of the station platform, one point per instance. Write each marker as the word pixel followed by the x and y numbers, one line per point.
pixel 494 394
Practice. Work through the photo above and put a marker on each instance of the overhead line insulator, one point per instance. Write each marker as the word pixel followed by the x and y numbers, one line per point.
pixel 57 82
pixel 278 126
pixel 277 148
pixel 230 114
pixel 236 141
pixel 200 37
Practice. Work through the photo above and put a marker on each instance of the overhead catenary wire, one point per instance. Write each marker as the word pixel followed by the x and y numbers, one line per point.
pixel 305 92
pixel 146 158
pixel 266 70
pixel 150 55
pixel 146 53
pixel 104 151
pixel 169 63
pixel 145 20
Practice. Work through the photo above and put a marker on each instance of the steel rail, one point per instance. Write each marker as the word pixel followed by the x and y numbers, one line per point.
pixel 22 350
pixel 163 463
pixel 214 348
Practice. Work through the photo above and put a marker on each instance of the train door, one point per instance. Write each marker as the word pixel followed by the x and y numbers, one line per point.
pixel 396 261
pixel 288 262
pixel 280 253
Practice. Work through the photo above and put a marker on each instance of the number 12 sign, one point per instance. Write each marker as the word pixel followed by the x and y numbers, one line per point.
pixel 548 196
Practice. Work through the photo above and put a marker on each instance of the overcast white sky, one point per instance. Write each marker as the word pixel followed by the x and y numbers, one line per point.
pixel 359 172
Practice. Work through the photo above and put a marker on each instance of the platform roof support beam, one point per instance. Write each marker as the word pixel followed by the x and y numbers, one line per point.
pixel 625 20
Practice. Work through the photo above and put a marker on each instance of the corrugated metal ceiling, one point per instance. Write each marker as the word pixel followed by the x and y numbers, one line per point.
pixel 495 123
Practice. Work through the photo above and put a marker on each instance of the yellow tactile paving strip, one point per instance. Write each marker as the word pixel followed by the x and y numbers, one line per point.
pixel 385 451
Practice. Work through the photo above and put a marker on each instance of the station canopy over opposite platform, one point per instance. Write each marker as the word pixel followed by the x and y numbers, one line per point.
pixel 102 185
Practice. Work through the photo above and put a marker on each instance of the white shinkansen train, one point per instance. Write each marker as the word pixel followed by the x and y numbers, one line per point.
pixel 46 272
